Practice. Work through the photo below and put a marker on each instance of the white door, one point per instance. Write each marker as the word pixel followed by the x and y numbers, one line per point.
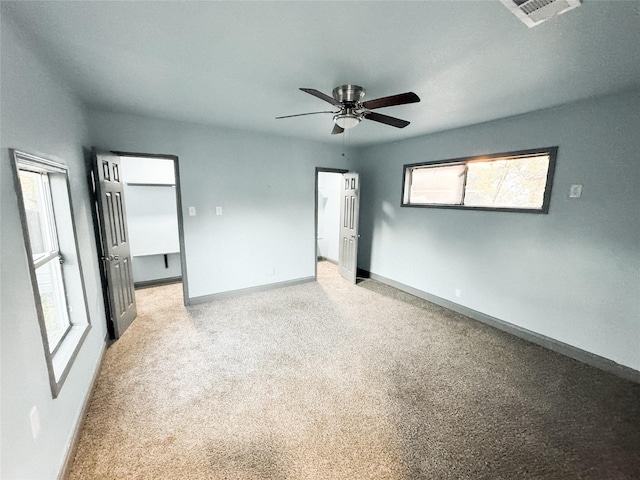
pixel 349 208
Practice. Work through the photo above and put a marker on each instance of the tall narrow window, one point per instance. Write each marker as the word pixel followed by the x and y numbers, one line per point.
pixel 38 207
pixel 50 242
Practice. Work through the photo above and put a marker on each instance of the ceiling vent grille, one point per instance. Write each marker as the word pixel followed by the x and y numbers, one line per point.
pixel 534 12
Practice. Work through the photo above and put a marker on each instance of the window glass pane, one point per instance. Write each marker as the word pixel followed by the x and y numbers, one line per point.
pixel 437 185
pixel 32 187
pixel 509 183
pixel 518 181
pixel 54 305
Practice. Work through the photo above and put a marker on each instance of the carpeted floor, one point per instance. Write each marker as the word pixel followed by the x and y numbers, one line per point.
pixel 329 380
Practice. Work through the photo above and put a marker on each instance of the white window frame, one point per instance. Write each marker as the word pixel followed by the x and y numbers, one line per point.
pixel 550 152
pixel 60 243
pixel 51 255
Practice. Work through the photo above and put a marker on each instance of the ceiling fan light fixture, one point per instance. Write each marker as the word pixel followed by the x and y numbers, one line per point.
pixel 347 120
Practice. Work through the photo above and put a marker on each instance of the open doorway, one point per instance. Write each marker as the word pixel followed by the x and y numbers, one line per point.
pixel 108 183
pixel 154 219
pixel 328 184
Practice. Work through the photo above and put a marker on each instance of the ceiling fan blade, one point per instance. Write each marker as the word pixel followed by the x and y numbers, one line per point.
pixel 322 96
pixel 336 129
pixel 386 119
pixel 400 99
pixel 302 114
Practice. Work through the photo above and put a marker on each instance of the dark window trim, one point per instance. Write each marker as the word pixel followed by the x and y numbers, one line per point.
pixel 20 159
pixel 551 151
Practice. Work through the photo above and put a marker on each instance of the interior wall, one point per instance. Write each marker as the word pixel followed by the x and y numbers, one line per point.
pixel 39 115
pixel 573 274
pixel 152 217
pixel 329 215
pixel 264 185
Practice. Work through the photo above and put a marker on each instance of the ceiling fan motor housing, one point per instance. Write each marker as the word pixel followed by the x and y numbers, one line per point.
pixel 348 94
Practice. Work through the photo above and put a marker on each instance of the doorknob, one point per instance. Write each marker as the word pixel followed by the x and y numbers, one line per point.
pixel 354 236
pixel 111 257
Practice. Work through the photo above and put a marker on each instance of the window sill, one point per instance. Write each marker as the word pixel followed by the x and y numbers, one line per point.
pixel 62 359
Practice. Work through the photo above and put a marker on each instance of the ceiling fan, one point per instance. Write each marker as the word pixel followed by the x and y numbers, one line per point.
pixel 348 98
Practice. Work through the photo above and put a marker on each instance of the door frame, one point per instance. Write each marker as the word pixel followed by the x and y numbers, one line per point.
pixel 315 213
pixel 176 169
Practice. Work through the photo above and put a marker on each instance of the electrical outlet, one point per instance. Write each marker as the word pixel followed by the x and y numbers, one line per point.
pixel 458 293
pixel 218 210
pixel 192 211
pixel 575 191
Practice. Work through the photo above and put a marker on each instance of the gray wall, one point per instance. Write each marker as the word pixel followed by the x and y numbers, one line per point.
pixel 329 214
pixel 152 217
pixel 573 275
pixel 39 115
pixel 264 184
pixel 150 268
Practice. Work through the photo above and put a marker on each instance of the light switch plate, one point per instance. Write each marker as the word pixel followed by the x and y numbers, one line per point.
pixel 218 210
pixel 192 211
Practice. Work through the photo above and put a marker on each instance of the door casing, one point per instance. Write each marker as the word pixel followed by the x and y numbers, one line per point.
pixel 183 257
pixel 183 262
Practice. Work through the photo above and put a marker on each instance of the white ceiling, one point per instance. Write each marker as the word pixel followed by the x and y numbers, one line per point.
pixel 240 64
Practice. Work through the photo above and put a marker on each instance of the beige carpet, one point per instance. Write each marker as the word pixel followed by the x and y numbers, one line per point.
pixel 328 380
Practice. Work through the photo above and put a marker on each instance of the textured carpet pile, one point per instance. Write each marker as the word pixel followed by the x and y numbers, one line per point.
pixel 328 380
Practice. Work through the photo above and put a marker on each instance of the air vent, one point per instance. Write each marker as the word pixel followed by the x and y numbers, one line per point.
pixel 534 12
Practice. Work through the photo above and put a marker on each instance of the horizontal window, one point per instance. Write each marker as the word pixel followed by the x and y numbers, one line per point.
pixel 515 181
